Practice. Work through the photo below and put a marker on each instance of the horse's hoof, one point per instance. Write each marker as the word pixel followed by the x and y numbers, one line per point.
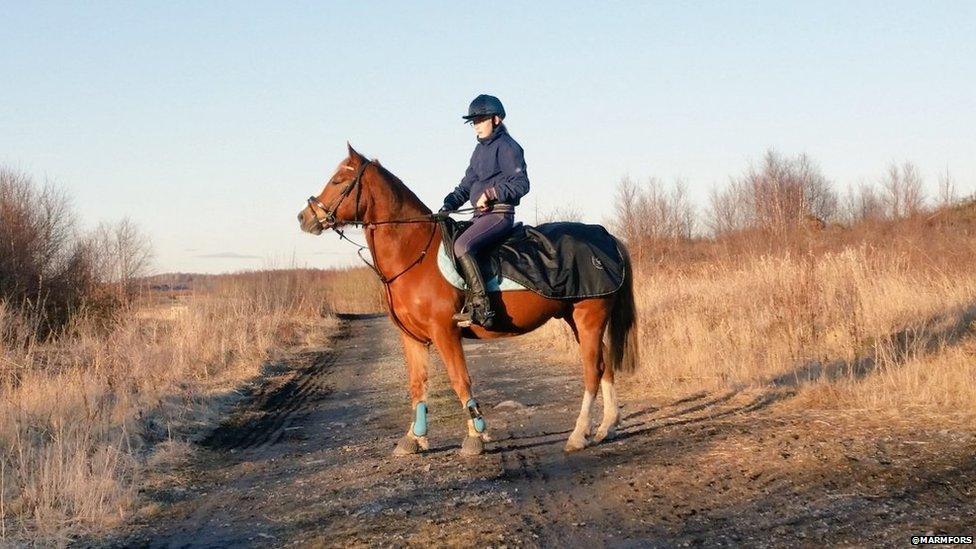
pixel 575 444
pixel 472 446
pixel 602 435
pixel 407 445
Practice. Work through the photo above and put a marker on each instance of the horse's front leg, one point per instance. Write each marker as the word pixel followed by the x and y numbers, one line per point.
pixel 415 440
pixel 449 346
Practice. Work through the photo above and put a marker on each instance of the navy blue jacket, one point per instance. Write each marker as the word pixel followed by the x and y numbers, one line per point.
pixel 497 168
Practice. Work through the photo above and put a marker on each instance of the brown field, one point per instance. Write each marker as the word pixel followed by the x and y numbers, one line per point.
pixel 873 318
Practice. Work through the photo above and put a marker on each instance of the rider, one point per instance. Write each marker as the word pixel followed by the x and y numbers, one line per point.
pixel 494 182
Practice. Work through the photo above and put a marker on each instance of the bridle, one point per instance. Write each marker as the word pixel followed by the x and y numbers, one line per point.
pixel 327 220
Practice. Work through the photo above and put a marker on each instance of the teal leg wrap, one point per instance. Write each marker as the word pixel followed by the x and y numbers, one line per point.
pixel 420 420
pixel 475 413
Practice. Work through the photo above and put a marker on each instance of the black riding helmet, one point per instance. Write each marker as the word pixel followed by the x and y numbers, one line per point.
pixel 485 105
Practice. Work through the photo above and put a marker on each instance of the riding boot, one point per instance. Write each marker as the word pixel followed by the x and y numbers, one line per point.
pixel 478 308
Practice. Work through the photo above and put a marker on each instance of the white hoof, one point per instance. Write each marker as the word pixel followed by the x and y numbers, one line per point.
pixel 604 434
pixel 575 443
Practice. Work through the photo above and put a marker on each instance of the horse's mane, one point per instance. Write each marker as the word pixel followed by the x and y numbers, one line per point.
pixel 403 193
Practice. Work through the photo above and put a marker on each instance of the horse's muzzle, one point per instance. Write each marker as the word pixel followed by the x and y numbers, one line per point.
pixel 309 223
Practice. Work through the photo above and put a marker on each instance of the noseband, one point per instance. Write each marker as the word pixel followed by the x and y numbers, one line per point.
pixel 329 219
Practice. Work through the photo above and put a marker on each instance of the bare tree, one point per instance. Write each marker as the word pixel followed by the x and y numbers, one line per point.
pixel 901 190
pixel 124 254
pixel 947 189
pixel 44 270
pixel 863 203
pixel 781 193
pixel 651 214
pixel 726 210
pixel 565 212
pixel 626 208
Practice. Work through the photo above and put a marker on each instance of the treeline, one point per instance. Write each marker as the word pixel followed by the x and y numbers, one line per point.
pixel 776 199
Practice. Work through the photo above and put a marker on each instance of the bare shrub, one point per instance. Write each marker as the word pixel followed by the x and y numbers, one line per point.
pixel 564 212
pixel 863 203
pixel 44 268
pixel 947 189
pixel 779 195
pixel 123 255
pixel 727 210
pixel 901 190
pixel 651 215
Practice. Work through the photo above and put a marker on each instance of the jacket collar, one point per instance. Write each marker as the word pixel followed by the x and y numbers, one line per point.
pixel 494 135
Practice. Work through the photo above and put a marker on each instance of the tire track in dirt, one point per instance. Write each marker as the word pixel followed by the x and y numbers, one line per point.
pixel 267 415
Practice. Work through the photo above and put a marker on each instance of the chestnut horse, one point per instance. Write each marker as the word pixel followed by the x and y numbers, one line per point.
pixel 403 238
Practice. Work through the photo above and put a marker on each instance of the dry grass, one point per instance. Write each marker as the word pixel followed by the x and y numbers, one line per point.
pixel 82 413
pixel 873 319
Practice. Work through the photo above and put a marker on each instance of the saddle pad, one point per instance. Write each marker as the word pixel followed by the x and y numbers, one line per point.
pixel 450 273
pixel 556 260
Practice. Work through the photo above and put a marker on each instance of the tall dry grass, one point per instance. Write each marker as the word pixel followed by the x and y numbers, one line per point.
pixel 876 317
pixel 797 319
pixel 81 413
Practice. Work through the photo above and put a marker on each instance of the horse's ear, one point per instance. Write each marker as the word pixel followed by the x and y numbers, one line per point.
pixel 353 155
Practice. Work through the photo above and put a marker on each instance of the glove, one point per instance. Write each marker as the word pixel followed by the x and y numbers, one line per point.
pixel 442 214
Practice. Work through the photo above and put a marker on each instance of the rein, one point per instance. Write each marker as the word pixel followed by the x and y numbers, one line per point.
pixel 329 221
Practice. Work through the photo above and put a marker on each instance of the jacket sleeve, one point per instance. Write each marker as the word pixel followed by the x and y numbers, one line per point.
pixel 462 192
pixel 514 183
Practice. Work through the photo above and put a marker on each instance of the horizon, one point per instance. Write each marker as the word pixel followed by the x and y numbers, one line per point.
pixel 208 126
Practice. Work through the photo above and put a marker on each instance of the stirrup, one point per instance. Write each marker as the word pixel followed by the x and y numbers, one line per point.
pixel 476 315
pixel 464 317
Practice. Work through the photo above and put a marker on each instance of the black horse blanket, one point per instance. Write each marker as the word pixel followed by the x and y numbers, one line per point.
pixel 557 260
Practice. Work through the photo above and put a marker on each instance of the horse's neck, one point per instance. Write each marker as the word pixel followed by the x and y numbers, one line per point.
pixel 395 246
pixel 390 199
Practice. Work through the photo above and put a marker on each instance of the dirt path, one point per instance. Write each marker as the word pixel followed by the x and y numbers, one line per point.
pixel 307 461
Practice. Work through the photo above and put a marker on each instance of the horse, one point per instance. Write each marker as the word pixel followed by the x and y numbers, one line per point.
pixel 403 237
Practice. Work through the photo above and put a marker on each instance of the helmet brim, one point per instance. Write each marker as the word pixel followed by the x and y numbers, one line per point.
pixel 471 117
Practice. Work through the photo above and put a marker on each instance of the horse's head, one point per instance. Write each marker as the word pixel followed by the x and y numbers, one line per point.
pixel 339 200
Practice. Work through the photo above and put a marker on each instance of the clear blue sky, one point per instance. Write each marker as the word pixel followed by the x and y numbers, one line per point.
pixel 209 123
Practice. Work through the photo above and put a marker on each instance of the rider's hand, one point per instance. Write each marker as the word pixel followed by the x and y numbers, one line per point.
pixel 483 203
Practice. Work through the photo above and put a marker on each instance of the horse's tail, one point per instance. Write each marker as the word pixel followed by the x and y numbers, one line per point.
pixel 623 352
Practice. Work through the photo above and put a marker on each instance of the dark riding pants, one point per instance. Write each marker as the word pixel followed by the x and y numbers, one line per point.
pixel 487 229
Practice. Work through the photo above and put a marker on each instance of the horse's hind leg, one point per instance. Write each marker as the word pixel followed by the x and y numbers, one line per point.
pixel 589 320
pixel 611 411
pixel 417 357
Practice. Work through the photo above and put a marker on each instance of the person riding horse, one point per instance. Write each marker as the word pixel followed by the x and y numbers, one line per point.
pixel 495 181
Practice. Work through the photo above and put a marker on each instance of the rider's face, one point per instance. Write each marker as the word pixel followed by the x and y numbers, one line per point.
pixel 483 126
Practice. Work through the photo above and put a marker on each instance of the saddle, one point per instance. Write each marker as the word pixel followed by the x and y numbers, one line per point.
pixel 560 260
